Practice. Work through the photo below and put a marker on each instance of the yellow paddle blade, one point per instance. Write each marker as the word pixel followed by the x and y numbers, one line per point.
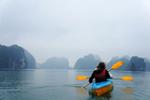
pixel 117 65
pixel 127 78
pixel 81 77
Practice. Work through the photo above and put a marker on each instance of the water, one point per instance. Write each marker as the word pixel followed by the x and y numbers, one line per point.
pixel 60 85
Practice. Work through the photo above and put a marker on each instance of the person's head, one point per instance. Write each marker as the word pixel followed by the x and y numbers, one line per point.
pixel 101 66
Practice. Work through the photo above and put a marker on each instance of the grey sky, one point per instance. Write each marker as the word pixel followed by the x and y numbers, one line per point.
pixel 73 28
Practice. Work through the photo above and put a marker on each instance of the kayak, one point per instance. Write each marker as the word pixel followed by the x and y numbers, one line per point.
pixel 99 89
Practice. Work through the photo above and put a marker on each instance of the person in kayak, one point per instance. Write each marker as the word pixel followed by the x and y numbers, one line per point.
pixel 100 74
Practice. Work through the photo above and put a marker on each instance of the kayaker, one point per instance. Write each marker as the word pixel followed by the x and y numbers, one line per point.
pixel 100 74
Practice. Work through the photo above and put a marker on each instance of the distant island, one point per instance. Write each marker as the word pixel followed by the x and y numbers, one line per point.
pixel 87 62
pixel 133 63
pixel 55 63
pixel 15 57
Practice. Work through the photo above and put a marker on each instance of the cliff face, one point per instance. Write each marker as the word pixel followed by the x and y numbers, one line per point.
pixel 137 64
pixel 15 57
pixel 87 62
pixel 147 63
pixel 55 63
pixel 132 64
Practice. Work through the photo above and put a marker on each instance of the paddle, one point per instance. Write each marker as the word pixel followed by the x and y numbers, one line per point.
pixel 81 77
pixel 115 66
pixel 124 78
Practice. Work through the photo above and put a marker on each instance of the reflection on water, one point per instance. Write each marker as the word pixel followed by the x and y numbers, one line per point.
pixel 62 85
pixel 104 97
pixel 82 91
pixel 128 90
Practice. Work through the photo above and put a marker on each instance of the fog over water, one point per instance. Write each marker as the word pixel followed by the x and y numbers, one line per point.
pixel 73 28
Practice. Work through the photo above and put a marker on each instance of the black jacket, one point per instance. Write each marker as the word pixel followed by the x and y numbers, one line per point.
pixel 99 75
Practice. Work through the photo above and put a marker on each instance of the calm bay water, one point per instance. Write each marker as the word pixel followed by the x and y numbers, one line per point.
pixel 59 85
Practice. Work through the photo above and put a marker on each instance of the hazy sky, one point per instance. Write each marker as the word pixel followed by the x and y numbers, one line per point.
pixel 73 28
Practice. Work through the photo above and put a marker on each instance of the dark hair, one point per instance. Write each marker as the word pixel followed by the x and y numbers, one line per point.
pixel 101 65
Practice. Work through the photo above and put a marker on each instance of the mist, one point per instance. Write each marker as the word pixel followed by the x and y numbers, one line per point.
pixel 74 28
